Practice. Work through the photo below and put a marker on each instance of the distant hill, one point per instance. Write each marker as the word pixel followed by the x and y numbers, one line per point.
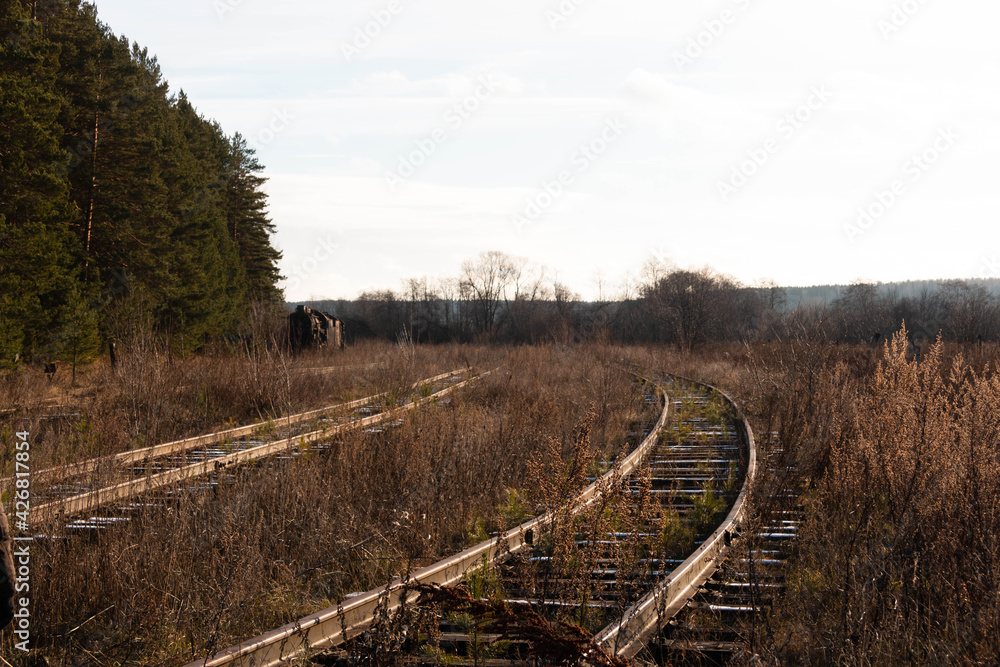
pixel 819 295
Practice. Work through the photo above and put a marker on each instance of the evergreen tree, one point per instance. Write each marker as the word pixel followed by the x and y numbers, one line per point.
pixel 78 341
pixel 106 181
pixel 210 295
pixel 36 245
pixel 249 224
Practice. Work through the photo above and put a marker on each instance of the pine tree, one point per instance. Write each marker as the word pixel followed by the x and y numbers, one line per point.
pixel 114 118
pixel 77 341
pixel 249 224
pixel 36 245
pixel 210 295
pixel 107 182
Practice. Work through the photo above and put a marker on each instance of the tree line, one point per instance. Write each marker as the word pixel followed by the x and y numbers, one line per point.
pixel 500 298
pixel 117 199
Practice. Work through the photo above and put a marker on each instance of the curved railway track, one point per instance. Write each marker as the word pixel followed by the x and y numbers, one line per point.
pixel 639 630
pixel 727 612
pixel 633 583
pixel 66 491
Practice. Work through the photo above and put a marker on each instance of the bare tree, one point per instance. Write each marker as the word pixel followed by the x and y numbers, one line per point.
pixel 969 310
pixel 427 311
pixel 921 313
pixel 485 282
pixel 449 290
pixel 383 311
pixel 523 299
pixel 561 320
pixel 861 313
pixel 772 295
pixel 655 269
pixel 694 306
pixel 601 283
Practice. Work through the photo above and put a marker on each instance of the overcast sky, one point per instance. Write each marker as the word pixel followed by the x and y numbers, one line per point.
pixel 805 142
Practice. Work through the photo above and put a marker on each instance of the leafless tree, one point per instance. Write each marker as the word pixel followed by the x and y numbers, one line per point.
pixel 524 299
pixel 861 313
pixel 427 310
pixel 693 306
pixel 485 283
pixel 772 295
pixel 773 300
pixel 969 310
pixel 655 269
pixel 561 319
pixel 448 290
pixel 383 311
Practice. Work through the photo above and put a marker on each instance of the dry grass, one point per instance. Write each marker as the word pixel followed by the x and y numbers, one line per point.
pixel 560 569
pixel 152 397
pixel 207 569
pixel 897 467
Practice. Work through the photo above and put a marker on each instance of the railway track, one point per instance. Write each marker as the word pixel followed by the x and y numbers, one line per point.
pixel 52 408
pixel 725 616
pixel 608 568
pixel 63 492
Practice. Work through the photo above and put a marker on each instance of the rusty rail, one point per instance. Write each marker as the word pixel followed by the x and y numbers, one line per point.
pixel 181 446
pixel 100 497
pixel 633 630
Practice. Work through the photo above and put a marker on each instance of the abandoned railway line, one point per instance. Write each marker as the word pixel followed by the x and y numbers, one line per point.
pixel 726 614
pixel 619 560
pixel 116 484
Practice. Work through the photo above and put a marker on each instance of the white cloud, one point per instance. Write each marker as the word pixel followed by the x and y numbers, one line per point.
pixel 453 85
pixel 657 187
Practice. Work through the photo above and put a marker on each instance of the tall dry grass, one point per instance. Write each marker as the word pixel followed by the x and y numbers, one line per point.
pixel 280 539
pixel 896 464
pixel 153 397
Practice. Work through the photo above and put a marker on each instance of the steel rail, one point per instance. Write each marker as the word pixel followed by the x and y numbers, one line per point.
pixel 632 631
pixel 327 370
pixel 100 497
pixel 334 625
pixel 182 446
